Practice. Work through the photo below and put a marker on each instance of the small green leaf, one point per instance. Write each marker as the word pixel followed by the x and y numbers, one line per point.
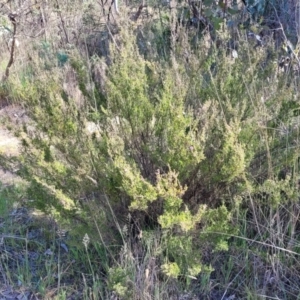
pixel 232 11
pixel 104 110
pixel 217 22
pixel 171 270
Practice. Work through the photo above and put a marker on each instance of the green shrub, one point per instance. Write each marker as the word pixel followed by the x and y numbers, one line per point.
pixel 177 145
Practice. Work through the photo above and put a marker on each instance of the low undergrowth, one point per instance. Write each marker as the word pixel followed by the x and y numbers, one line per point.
pixel 173 170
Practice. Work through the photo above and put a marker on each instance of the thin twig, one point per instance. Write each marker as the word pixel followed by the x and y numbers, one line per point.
pixel 12 18
pixel 284 35
pixel 254 241
pixel 62 22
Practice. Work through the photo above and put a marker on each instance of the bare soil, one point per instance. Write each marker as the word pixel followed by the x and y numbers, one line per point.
pixel 9 144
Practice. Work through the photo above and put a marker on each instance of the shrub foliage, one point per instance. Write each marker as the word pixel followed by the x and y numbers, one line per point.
pixel 180 142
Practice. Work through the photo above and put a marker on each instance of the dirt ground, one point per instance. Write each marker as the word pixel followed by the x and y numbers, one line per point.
pixel 9 144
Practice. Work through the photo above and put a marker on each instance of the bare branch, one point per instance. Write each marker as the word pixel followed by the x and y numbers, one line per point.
pixel 62 22
pixel 12 18
pixel 138 13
